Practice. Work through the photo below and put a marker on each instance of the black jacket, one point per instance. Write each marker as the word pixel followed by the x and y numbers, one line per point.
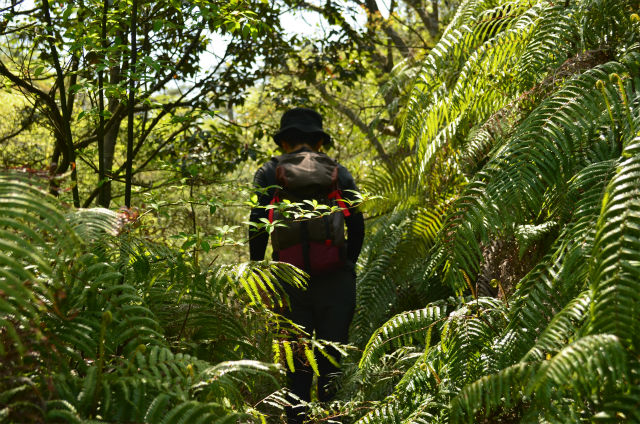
pixel 266 176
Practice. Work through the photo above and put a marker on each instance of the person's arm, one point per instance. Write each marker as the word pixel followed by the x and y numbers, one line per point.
pixel 355 220
pixel 355 235
pixel 258 239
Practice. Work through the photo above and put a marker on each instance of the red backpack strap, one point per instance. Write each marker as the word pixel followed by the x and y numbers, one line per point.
pixel 337 195
pixel 274 200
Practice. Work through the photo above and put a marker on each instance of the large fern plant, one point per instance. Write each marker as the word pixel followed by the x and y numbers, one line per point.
pixel 523 184
pixel 99 324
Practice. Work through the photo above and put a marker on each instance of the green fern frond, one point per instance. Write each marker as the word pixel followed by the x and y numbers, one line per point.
pixel 157 408
pixel 482 140
pixel 491 393
pixel 226 379
pixel 403 329
pixel 543 293
pixel 526 235
pixel 521 114
pixel 61 410
pixel 468 332
pixel 161 368
pixel 89 289
pixel 550 44
pixel 375 288
pixel 398 185
pixel 390 412
pixel 607 22
pixel 616 272
pixel 200 413
pixel 92 224
pixel 133 323
pixel 257 278
pixel 588 365
pixel 425 376
pixel 561 329
pixel 623 407
pixel 562 272
pixel 480 86
pixel 29 220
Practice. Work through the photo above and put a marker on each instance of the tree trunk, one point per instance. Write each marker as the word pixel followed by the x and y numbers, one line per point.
pixel 63 129
pixel 130 105
pixel 109 145
pixel 103 36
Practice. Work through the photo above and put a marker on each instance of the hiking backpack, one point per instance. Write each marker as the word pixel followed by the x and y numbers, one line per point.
pixel 314 244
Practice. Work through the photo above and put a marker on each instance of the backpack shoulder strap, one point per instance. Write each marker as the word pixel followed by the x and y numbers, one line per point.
pixel 337 196
pixel 276 195
pixel 336 193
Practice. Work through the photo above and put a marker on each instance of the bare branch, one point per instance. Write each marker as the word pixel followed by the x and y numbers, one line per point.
pixel 25 125
pixel 364 128
pixel 352 33
pixel 429 21
pixel 25 85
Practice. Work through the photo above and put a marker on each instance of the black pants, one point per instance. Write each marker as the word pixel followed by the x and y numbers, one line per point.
pixel 326 307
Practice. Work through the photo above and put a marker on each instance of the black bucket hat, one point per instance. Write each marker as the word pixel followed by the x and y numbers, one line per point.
pixel 301 119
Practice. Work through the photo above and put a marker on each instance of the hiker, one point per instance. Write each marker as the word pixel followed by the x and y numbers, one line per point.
pixel 316 245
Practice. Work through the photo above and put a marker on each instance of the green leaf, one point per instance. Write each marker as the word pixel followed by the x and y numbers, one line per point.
pixel 67 12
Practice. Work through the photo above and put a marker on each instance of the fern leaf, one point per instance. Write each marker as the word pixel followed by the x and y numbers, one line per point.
pixel 589 364
pixel 615 274
pixel 491 393
pixel 561 328
pixel 401 330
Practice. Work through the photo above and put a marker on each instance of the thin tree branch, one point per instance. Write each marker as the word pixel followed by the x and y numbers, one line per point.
pixel 372 6
pixel 26 123
pixel 351 33
pixel 19 82
pixel 430 22
pixel 349 113
pixel 116 175
pixel 131 105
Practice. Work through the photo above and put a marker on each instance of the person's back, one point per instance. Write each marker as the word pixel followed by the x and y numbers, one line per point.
pixel 314 244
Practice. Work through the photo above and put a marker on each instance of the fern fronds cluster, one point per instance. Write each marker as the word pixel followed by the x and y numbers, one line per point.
pixel 98 324
pixel 523 127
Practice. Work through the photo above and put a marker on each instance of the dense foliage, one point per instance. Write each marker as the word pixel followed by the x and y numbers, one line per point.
pixel 102 324
pixel 522 190
pixel 499 280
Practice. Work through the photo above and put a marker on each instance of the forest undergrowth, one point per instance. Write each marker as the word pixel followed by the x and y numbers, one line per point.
pixel 499 281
